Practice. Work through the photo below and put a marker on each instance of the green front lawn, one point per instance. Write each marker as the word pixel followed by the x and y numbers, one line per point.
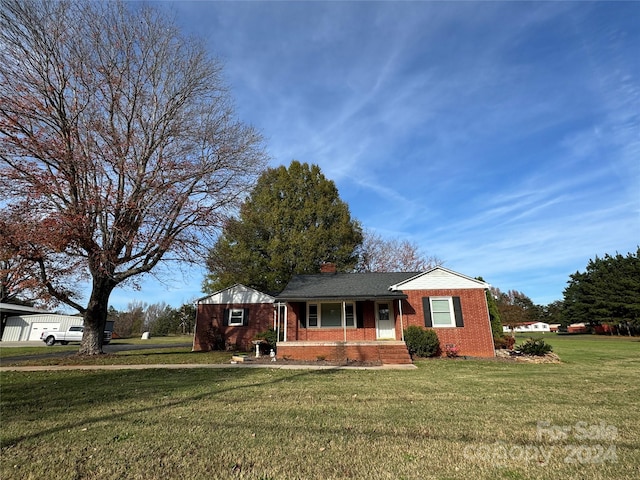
pixel 448 419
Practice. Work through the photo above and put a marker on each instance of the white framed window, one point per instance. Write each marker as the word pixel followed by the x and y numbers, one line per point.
pixel 313 315
pixel 442 314
pixel 331 315
pixel 350 315
pixel 236 317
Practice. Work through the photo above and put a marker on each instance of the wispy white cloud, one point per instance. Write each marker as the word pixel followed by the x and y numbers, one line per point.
pixel 502 137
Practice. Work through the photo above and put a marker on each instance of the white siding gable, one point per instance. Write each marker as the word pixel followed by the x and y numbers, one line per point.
pixel 238 294
pixel 439 278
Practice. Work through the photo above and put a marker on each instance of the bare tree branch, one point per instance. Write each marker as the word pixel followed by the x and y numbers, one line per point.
pixel 381 255
pixel 118 143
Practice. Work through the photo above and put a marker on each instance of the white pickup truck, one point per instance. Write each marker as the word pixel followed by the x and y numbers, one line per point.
pixel 74 334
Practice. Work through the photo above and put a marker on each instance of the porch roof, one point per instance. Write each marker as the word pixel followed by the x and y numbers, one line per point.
pixel 348 286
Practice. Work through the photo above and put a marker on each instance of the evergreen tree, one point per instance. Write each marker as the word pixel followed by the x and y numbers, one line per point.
pixel 552 313
pixel 292 222
pixel 494 313
pixel 607 292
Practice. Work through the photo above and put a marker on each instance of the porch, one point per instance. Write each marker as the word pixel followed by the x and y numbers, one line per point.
pixel 389 352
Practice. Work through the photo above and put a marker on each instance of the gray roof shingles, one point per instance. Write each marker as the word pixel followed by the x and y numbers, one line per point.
pixel 354 286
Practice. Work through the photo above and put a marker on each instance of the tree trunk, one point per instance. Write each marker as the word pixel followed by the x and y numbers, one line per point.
pixel 95 317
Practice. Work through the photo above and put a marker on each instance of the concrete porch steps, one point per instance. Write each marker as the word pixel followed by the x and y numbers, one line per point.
pixel 394 354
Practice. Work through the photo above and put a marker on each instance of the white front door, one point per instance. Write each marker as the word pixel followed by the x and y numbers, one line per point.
pixel 385 324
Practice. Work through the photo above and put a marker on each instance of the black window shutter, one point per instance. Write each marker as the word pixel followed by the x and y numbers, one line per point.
pixel 426 308
pixel 302 314
pixel 457 309
pixel 245 317
pixel 225 317
pixel 359 315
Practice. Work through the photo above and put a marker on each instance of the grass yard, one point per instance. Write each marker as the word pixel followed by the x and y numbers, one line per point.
pixel 156 353
pixel 148 356
pixel 449 419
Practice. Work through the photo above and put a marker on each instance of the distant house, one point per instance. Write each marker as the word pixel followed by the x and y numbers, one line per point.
pixel 580 327
pixel 362 316
pixel 528 327
pixel 235 315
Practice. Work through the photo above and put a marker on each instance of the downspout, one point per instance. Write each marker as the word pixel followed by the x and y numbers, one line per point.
pixel 401 321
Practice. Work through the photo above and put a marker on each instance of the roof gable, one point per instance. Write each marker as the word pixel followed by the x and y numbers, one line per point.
pixel 236 294
pixel 439 278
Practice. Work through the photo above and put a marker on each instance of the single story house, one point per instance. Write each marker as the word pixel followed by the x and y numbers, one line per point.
pixel 579 327
pixel 233 316
pixel 362 316
pixel 528 327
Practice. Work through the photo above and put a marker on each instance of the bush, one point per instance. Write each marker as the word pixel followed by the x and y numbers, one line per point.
pixel 504 342
pixel 215 339
pixel 270 337
pixel 421 342
pixel 451 350
pixel 534 347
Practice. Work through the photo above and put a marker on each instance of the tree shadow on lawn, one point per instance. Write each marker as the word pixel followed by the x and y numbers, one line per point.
pixel 80 390
pixel 101 388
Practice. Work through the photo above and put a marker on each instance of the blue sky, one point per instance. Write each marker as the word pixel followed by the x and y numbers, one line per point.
pixel 501 137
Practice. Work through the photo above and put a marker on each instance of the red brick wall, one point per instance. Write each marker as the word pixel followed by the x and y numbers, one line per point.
pixel 334 353
pixel 475 338
pixel 236 337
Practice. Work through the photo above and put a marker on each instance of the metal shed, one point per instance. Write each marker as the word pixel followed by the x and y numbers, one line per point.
pixel 22 328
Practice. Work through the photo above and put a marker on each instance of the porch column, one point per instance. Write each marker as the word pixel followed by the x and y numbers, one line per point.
pixel 286 319
pixel 344 320
pixel 401 321
pixel 276 321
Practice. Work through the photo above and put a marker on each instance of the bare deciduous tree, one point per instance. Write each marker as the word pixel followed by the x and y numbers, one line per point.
pixel 380 255
pixel 119 147
pixel 16 282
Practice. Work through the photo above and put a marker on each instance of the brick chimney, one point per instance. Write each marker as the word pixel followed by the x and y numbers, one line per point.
pixel 328 267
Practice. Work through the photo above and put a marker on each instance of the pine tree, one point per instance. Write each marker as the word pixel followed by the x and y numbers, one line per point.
pixel 607 292
pixel 292 222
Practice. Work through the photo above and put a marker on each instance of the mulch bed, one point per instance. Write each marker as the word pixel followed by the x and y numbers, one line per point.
pixel 511 355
